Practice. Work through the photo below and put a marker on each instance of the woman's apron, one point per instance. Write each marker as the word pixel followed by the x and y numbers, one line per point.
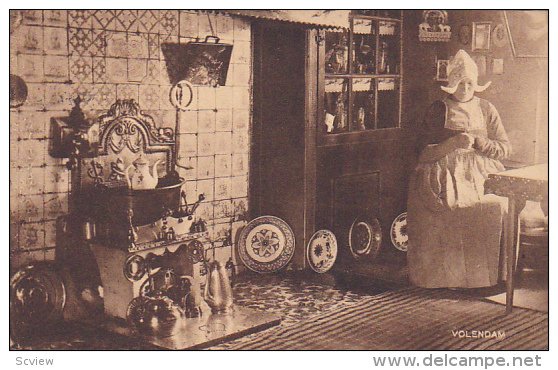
pixel 454 229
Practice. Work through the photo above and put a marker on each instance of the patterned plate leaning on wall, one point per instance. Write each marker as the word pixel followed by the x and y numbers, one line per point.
pixel 266 244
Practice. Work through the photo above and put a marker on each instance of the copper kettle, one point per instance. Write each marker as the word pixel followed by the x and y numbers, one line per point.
pixel 218 292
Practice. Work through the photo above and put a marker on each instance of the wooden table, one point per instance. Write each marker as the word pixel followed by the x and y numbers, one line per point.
pixel 518 185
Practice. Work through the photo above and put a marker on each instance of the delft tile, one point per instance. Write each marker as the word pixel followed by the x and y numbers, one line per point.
pixel 222 188
pixel 13 62
pixel 168 22
pixel 35 97
pixel 56 205
pixel 127 91
pixel 56 179
pixel 225 27
pixel 230 75
pixel 80 41
pixel 223 165
pixel 240 142
pixel 153 74
pixel 223 143
pixel 104 20
pixel 224 97
pixel 30 67
pixel 149 97
pixel 116 44
pixel 188 144
pixel 206 121
pixel 241 119
pixel 242 75
pixel 55 41
pixel 50 253
pixel 59 96
pixel 205 210
pixel 206 144
pixel 222 230
pixel 32 125
pixel 189 24
pixel 80 18
pixel 239 164
pixel 223 208
pixel 153 46
pixel 56 68
pixel 99 69
pixel 224 119
pixel 241 29
pixel 148 21
pixel 189 169
pixel 30 40
pixel 81 69
pixel 32 152
pixel 23 257
pixel 137 70
pixel 205 25
pixel 116 70
pixel 32 17
pixel 241 96
pixel 32 236
pixel 241 52
pixel 222 254
pixel 191 191
pixel 104 96
pixel 31 208
pixel 206 167
pixel 167 118
pixel 98 43
pixel 206 97
pixel 188 121
pixel 240 209
pixel 31 180
pixel 87 94
pixel 56 18
pixel 126 20
pixel 239 186
pixel 138 46
pixel 166 104
pixel 14 159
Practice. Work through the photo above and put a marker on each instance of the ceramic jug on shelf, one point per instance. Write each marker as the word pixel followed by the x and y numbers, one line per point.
pixel 218 292
pixel 142 178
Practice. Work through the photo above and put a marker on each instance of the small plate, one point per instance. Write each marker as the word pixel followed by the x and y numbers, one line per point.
pixel 365 237
pixel 398 232
pixel 321 251
pixel 266 244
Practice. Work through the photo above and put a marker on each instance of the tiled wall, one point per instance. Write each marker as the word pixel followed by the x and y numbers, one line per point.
pixel 105 55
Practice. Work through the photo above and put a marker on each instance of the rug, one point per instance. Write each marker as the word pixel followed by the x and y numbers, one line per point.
pixel 410 319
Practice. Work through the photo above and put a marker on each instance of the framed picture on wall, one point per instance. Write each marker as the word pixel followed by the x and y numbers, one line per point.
pixel 481 36
pixel 528 30
pixel 442 70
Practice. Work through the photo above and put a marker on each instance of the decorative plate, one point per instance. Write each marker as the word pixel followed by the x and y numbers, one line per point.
pixel 398 232
pixel 365 237
pixel 266 244
pixel 37 296
pixel 321 251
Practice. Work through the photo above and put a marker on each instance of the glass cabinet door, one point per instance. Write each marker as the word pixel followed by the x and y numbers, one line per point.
pixel 362 73
pixel 364 104
pixel 364 46
pixel 336 53
pixel 336 105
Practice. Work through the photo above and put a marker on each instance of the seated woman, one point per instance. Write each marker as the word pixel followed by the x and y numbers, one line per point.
pixel 454 229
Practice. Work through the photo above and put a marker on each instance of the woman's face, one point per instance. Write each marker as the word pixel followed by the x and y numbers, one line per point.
pixel 465 90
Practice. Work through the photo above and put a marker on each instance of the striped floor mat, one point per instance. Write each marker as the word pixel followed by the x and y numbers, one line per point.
pixel 410 319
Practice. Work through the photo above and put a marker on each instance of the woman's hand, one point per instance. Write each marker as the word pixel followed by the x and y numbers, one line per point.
pixel 463 141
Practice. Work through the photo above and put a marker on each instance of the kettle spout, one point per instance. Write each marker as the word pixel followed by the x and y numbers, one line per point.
pixel 154 173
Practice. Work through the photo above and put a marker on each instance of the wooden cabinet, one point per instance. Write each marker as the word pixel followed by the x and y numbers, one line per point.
pixel 327 142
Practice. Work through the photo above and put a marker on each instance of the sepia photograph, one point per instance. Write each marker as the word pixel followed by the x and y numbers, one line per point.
pixel 278 180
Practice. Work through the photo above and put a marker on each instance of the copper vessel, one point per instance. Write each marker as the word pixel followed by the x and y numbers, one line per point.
pixel 218 292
